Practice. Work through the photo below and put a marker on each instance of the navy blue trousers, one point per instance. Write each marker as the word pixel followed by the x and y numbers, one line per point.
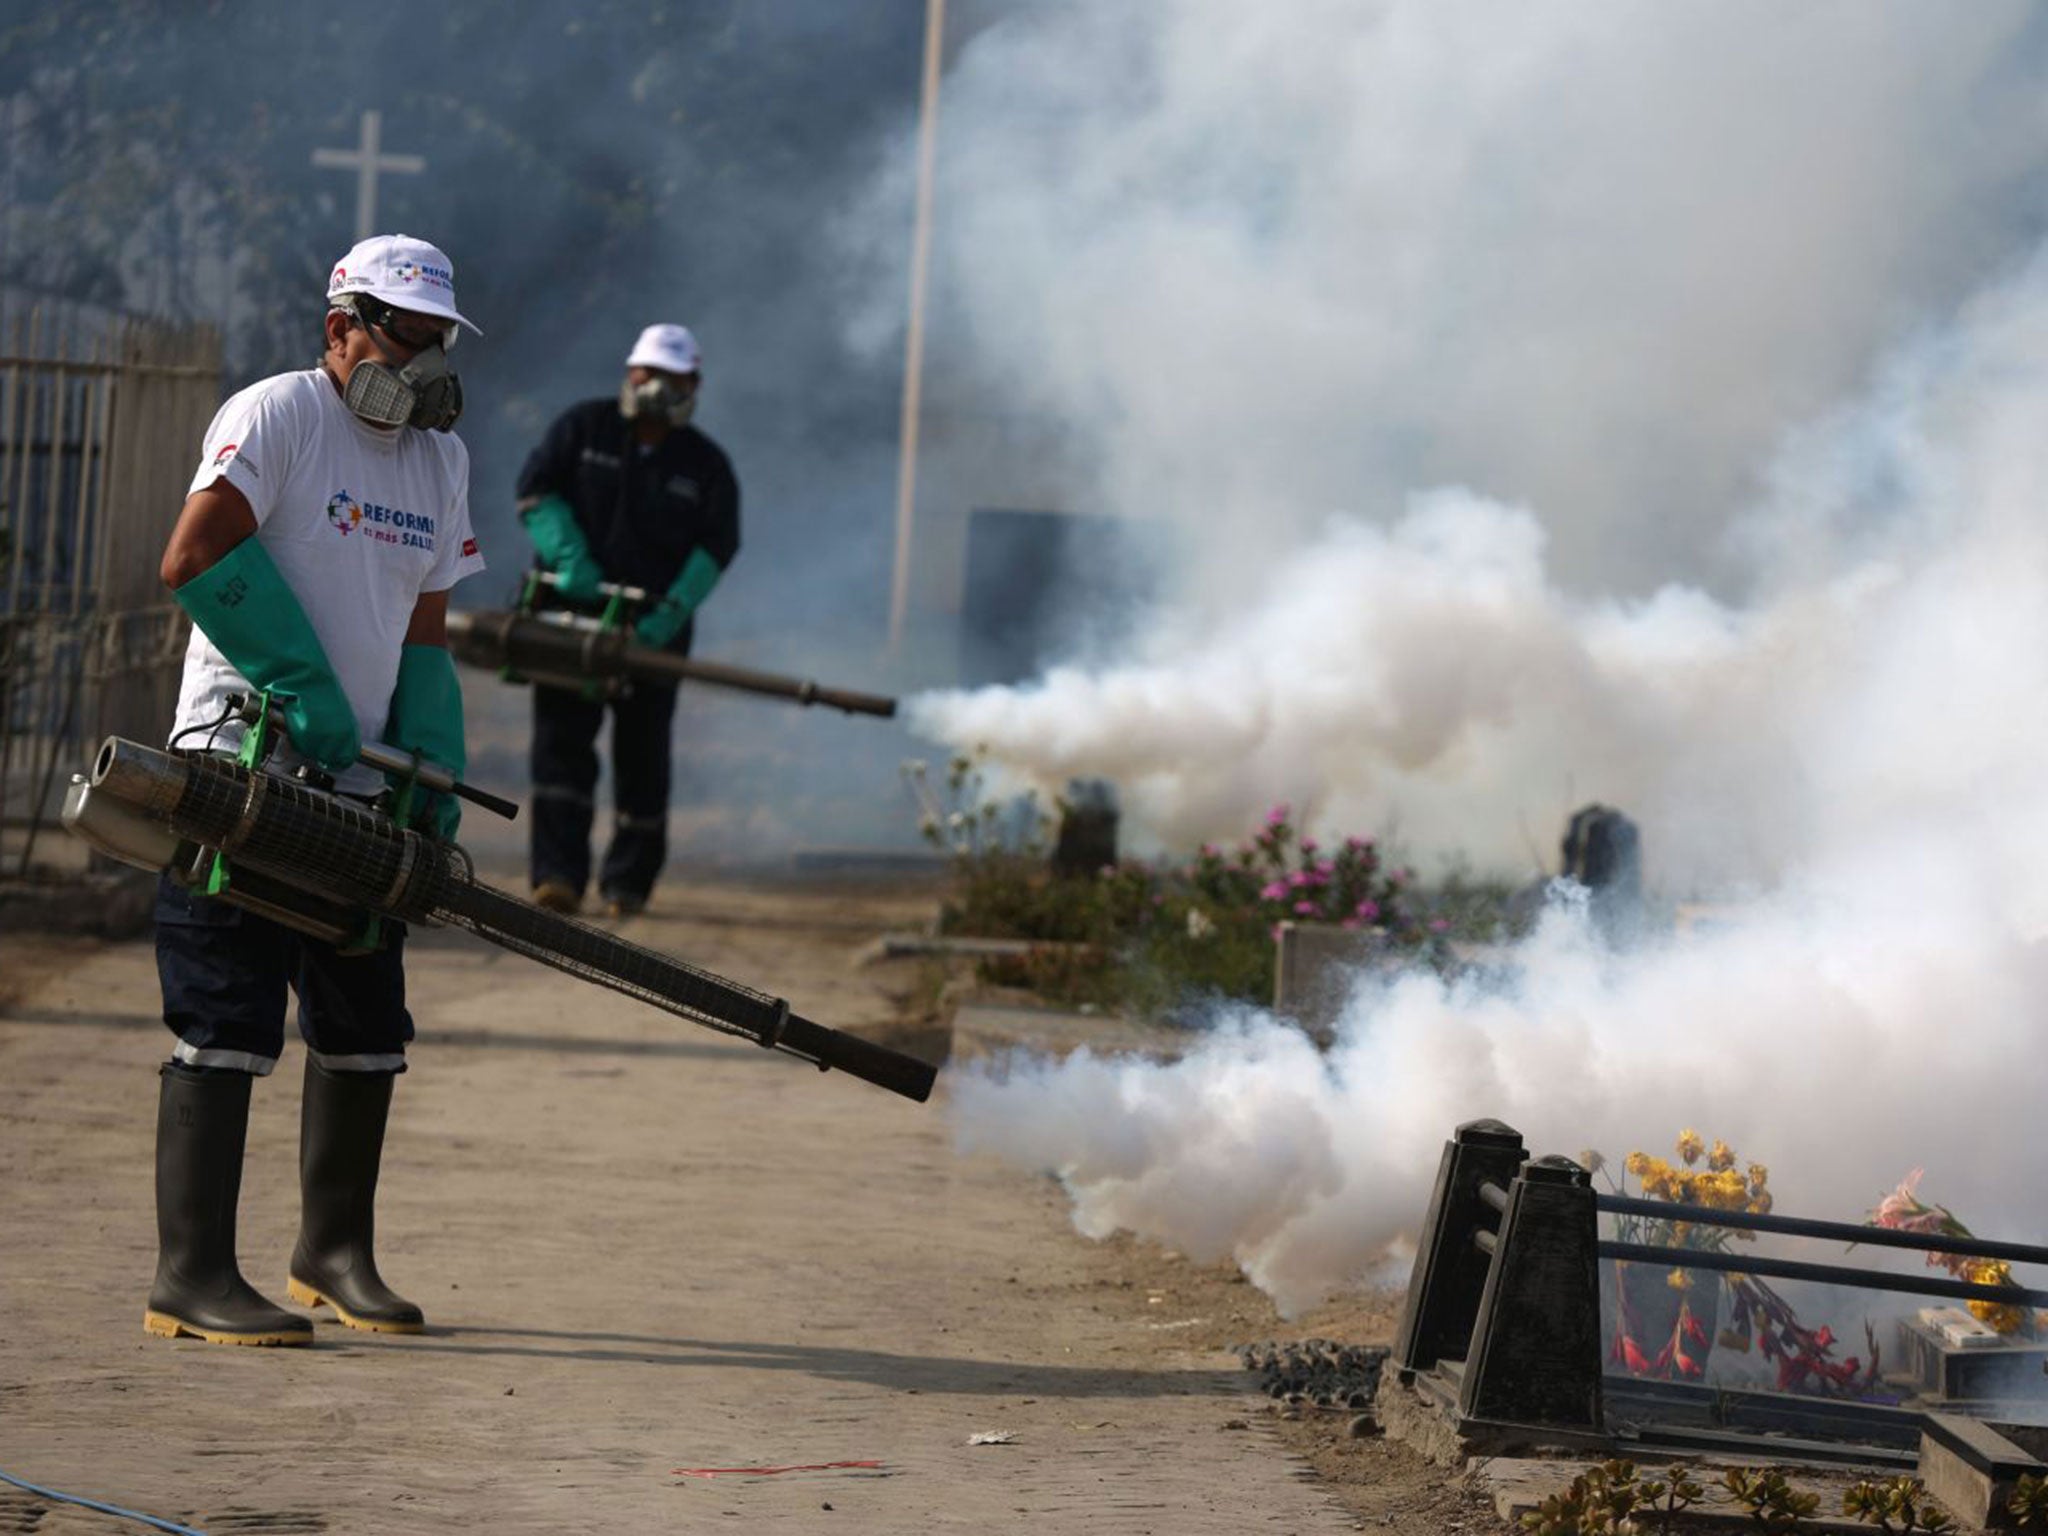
pixel 564 763
pixel 226 974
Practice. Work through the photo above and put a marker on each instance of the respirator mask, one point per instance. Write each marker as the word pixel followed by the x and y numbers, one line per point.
pixel 421 393
pixel 657 399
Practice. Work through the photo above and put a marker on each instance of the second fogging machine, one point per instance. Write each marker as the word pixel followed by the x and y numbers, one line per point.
pixel 596 654
pixel 335 867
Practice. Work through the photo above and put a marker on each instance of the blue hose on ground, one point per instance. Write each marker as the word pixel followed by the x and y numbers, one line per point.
pixel 105 1509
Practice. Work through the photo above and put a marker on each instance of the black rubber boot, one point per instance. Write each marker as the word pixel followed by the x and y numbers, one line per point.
pixel 202 1127
pixel 341 1144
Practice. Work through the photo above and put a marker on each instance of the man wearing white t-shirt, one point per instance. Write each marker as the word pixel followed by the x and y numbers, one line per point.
pixel 328 519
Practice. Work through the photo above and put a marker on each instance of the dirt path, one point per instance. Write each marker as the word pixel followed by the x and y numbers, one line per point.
pixel 641 1247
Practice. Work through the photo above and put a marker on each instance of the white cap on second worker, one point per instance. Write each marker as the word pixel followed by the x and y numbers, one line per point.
pixel 671 348
pixel 404 272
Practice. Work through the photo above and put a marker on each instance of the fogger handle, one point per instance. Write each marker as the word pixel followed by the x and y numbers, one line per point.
pixel 375 754
pixel 638 597
pixel 871 1063
pixel 434 776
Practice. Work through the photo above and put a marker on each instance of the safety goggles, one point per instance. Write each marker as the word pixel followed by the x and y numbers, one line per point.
pixel 411 331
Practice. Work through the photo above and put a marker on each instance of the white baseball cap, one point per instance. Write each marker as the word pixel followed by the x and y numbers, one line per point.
pixel 671 348
pixel 404 272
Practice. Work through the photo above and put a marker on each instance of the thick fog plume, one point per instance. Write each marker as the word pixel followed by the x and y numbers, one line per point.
pixel 1840 1040
pixel 1888 676
pixel 1258 264
pixel 1879 1009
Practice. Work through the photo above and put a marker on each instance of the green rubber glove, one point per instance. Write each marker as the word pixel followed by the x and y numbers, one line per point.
pixel 558 539
pixel 663 622
pixel 426 717
pixel 243 604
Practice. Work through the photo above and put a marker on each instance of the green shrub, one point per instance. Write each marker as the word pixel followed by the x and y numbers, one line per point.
pixel 1154 937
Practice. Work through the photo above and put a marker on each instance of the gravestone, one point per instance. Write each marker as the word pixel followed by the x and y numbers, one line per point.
pixel 1087 835
pixel 1603 852
pixel 1315 966
pixel 1949 1357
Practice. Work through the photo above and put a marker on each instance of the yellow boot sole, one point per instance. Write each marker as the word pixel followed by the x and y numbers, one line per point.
pixel 164 1326
pixel 304 1294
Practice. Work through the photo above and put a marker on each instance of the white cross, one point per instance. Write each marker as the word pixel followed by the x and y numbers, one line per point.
pixel 366 162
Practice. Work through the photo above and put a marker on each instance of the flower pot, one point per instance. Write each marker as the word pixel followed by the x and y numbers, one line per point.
pixel 1659 1330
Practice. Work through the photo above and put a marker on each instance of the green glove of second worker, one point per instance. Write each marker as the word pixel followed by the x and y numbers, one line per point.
pixel 243 604
pixel 662 623
pixel 426 717
pixel 558 539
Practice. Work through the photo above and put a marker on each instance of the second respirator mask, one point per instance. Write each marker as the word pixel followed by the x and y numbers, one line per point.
pixel 657 399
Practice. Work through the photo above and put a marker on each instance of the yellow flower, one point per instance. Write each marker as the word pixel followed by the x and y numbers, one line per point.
pixel 1998 1317
pixel 1679 1280
pixel 1721 1158
pixel 1761 1205
pixel 1690 1146
pixel 1726 1190
pixel 1638 1163
pixel 1591 1160
pixel 1759 1176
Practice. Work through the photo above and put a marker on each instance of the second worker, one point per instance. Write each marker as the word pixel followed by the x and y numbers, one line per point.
pixel 625 491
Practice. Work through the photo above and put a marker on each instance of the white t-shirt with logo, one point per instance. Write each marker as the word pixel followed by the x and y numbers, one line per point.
pixel 359 521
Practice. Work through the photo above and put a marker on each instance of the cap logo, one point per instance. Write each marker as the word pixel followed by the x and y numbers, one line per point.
pixel 421 272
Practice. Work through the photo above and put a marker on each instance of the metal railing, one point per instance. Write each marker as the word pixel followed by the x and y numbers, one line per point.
pixel 1828 1274
pixel 1503 1328
pixel 101 419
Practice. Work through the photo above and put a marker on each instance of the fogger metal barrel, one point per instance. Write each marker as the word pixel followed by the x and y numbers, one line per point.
pixel 569 654
pixel 331 847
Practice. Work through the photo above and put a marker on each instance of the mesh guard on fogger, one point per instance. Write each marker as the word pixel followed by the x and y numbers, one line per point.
pixel 335 848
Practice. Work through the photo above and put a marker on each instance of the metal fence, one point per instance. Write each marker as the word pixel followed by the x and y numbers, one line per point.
pixel 101 418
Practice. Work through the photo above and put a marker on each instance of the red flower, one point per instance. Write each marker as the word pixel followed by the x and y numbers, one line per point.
pixel 1633 1357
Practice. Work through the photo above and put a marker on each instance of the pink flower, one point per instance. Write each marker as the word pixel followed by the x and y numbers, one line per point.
pixel 1901 1202
pixel 1358 844
pixel 1298 879
pixel 1210 851
pixel 1368 910
pixel 1304 909
pixel 1277 816
pixel 1351 922
pixel 1439 924
pixel 1276 931
pixel 1277 891
pixel 1308 846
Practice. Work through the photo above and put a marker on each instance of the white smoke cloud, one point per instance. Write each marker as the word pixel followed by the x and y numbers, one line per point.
pixel 1839 1039
pixel 1612 275
pixel 1268 262
pixel 1880 730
